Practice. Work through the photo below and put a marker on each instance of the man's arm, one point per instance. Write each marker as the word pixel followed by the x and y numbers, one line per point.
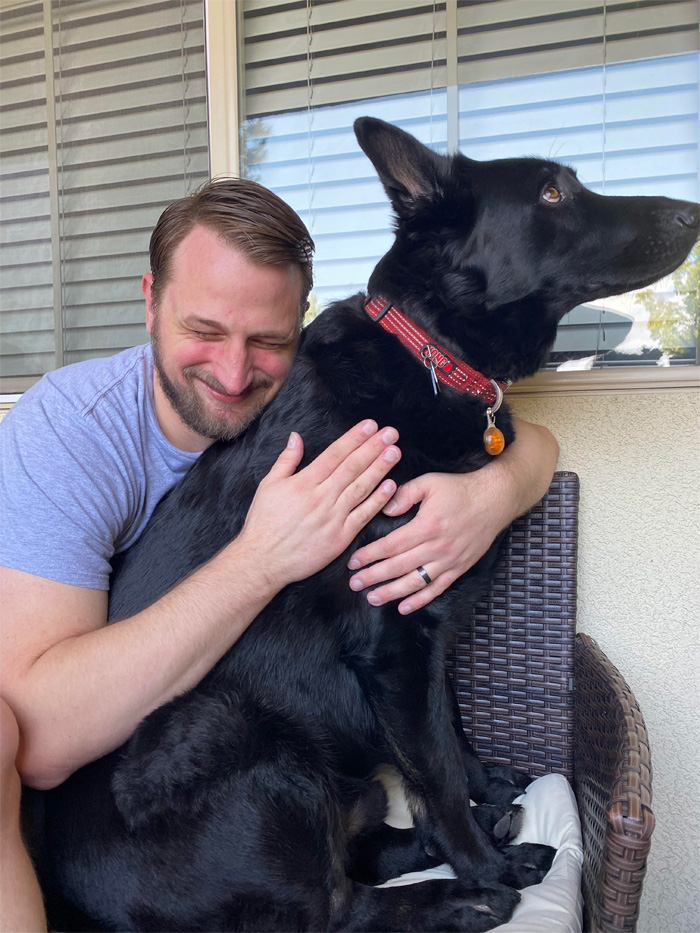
pixel 459 518
pixel 79 687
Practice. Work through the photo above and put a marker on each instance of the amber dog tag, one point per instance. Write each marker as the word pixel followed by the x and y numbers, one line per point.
pixel 494 441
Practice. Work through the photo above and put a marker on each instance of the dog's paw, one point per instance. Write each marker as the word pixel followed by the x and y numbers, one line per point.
pixel 526 864
pixel 502 823
pixel 503 784
pixel 433 907
pixel 475 909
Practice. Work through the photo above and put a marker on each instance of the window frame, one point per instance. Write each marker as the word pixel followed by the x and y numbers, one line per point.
pixel 222 26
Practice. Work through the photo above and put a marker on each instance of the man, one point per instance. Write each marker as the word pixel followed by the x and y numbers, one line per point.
pixel 91 449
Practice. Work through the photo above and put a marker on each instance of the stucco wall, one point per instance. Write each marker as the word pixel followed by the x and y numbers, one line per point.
pixel 638 457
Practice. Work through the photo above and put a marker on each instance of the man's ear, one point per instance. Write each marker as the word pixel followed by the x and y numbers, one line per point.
pixel 146 288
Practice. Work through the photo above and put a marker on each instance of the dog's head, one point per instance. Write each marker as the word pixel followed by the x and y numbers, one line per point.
pixel 514 244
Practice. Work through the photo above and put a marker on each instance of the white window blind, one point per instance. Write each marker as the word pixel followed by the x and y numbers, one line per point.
pixel 339 51
pixel 26 309
pixel 511 38
pixel 609 87
pixel 102 124
pixel 344 50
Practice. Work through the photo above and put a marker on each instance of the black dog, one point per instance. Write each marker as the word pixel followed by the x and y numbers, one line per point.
pixel 235 806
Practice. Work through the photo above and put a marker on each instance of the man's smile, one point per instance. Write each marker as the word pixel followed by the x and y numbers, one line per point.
pixel 225 397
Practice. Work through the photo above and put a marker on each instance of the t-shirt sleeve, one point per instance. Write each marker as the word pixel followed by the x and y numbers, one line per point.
pixel 64 500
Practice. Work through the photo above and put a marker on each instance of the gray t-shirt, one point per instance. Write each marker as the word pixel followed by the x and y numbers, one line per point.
pixel 84 463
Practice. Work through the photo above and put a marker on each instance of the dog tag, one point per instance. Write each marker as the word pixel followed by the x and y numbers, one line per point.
pixel 436 384
pixel 494 441
pixel 428 354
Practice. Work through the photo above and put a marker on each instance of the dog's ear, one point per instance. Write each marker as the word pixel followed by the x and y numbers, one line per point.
pixel 409 171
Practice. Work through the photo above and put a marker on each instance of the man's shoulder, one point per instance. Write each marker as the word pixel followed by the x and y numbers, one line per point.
pixel 83 387
pixel 72 473
pixel 83 392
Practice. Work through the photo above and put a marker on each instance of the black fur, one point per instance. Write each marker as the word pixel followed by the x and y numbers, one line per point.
pixel 233 807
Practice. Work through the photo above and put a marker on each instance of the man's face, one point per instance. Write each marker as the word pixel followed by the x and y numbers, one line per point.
pixel 224 332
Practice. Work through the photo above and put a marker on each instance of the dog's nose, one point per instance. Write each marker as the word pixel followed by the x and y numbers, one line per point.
pixel 688 215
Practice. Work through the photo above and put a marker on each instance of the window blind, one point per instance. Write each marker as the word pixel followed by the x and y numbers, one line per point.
pixel 511 38
pixel 357 50
pixel 26 293
pixel 126 125
pixel 343 50
pixel 611 88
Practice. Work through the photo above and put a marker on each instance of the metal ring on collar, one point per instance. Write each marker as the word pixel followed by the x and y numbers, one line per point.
pixel 499 396
pixel 426 576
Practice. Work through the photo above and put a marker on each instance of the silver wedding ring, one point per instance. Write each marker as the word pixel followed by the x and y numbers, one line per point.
pixel 424 573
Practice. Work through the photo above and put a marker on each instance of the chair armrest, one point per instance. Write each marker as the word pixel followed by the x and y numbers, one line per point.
pixel 612 781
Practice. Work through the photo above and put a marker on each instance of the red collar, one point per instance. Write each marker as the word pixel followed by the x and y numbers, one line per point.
pixel 450 370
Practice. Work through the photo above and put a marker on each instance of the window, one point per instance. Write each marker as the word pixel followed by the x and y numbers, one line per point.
pixel 103 123
pixel 610 87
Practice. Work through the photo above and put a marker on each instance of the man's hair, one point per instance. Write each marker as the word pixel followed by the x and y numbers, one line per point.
pixel 246 216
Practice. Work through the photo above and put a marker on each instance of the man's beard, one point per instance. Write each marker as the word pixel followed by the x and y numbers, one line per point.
pixel 192 409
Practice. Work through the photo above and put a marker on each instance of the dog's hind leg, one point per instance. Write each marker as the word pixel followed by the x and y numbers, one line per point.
pixel 221 815
pixel 427 907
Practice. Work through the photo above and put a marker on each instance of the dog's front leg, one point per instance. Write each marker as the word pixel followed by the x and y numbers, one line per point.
pixel 470 851
pixel 414 717
pixel 428 755
pixel 442 809
pixel 497 785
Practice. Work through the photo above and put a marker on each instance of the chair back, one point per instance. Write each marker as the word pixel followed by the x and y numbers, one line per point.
pixel 513 666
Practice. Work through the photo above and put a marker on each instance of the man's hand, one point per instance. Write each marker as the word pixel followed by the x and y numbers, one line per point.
pixel 459 517
pixel 299 522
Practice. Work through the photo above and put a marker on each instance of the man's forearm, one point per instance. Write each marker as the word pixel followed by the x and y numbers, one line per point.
pixel 85 695
pixel 528 465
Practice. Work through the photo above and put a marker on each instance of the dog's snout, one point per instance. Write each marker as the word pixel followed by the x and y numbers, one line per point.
pixel 688 215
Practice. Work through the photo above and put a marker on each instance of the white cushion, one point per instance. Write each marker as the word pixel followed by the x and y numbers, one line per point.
pixel 551 817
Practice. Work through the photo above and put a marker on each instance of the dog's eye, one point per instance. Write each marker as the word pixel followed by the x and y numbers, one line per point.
pixel 552 195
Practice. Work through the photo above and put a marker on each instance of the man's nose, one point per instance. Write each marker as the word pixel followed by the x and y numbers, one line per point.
pixel 233 369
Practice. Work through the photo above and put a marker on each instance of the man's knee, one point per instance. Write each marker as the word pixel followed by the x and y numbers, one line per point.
pixel 21 904
pixel 10 785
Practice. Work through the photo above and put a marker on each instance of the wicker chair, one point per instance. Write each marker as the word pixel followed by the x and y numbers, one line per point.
pixel 536 695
